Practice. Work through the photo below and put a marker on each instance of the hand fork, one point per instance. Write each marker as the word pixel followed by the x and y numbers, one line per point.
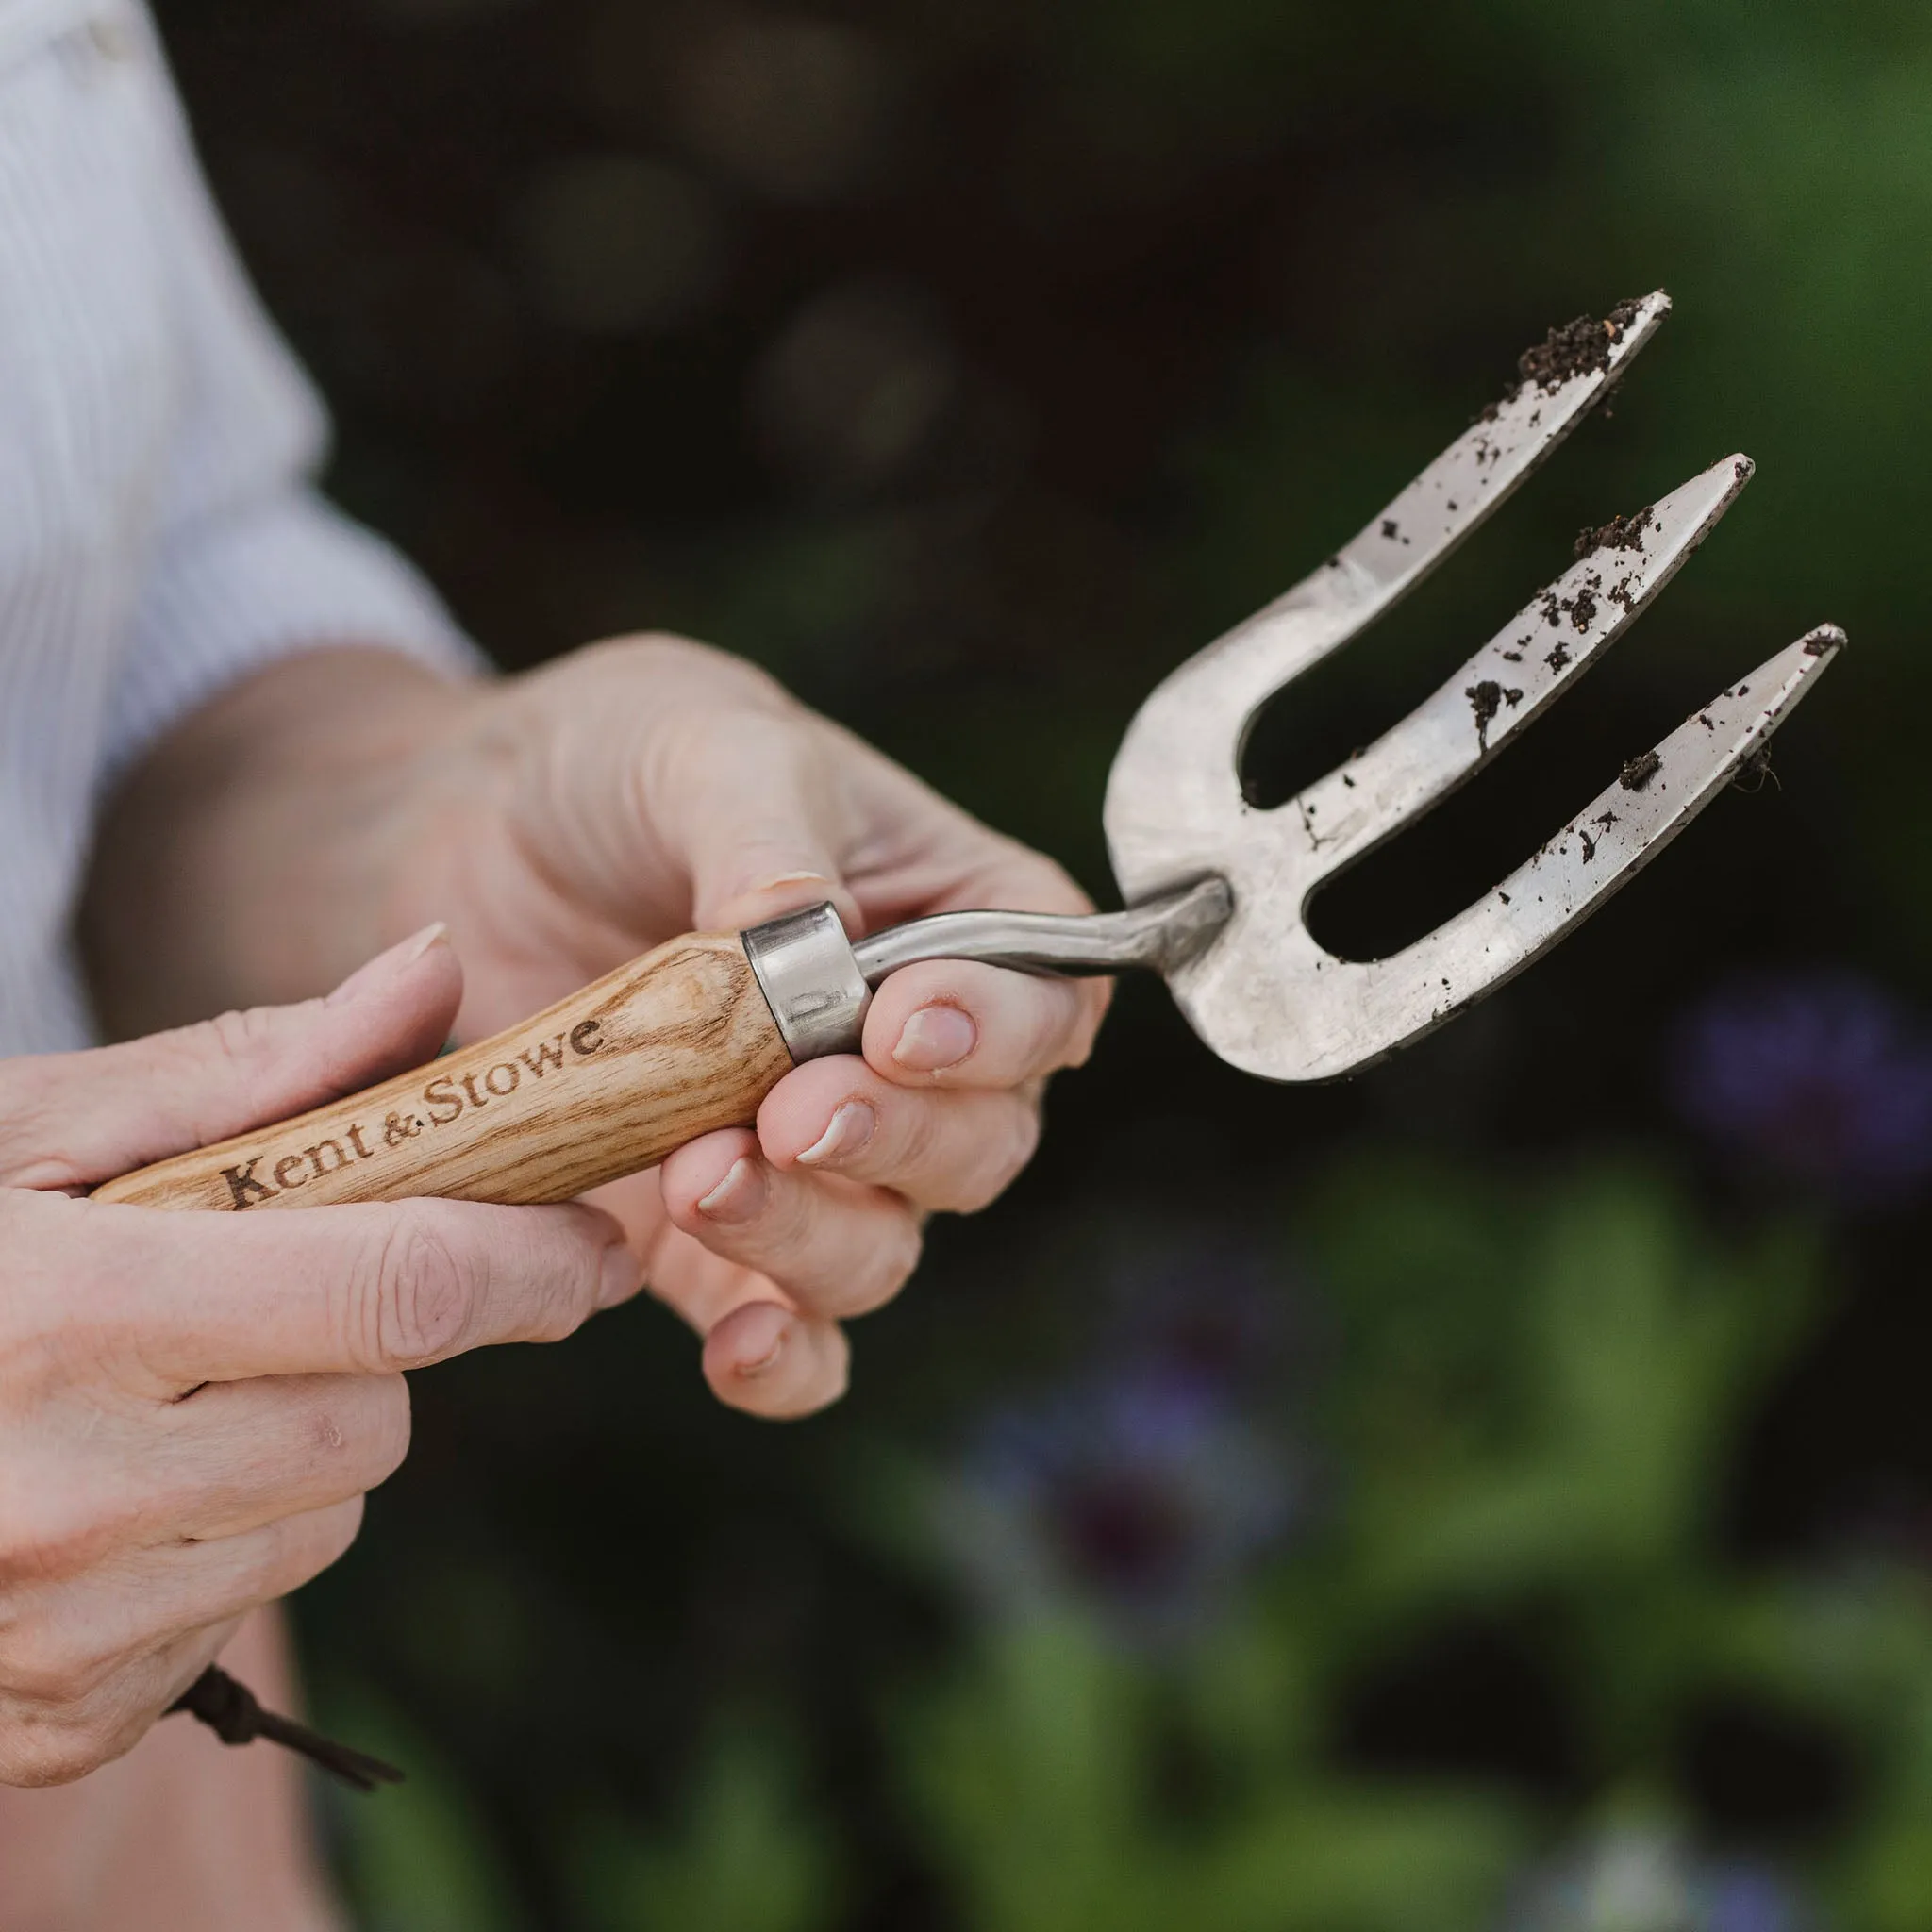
pixel 692 1036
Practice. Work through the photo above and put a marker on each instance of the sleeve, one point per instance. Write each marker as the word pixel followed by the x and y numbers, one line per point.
pixel 247 562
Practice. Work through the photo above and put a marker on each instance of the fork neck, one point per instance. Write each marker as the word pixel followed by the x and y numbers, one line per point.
pixel 818 985
pixel 1160 936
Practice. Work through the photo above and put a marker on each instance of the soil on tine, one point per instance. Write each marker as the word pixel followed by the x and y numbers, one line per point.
pixel 1639 771
pixel 1619 533
pixel 1485 701
pixel 1574 348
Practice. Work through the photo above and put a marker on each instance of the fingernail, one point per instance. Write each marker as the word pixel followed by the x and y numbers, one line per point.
pixel 772 881
pixel 385 966
pixel 852 1127
pixel 739 1196
pixel 623 1275
pixel 750 1371
pixel 414 949
pixel 936 1038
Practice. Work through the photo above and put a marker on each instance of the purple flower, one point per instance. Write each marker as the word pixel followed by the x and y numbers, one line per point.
pixel 1140 1495
pixel 1198 1306
pixel 1750 1898
pixel 1823 1079
pixel 1634 1878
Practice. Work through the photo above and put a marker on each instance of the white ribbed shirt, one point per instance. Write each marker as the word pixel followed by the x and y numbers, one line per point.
pixel 160 534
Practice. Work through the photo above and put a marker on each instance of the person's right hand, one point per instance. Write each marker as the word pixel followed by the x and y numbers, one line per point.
pixel 192 1405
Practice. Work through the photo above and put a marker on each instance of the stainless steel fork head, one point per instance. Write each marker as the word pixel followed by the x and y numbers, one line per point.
pixel 1217 889
pixel 1261 992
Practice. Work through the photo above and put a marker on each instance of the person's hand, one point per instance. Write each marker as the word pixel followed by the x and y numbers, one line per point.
pixel 561 822
pixel 192 1405
pixel 568 820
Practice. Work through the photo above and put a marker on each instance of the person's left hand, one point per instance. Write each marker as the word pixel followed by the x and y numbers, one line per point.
pixel 562 822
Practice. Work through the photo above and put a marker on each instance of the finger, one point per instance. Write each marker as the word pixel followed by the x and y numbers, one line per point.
pixel 229 1458
pixel 699 1286
pixel 636 1203
pixel 836 1249
pixel 73 1120
pixel 235 1456
pixel 65 1641
pixel 180 1299
pixel 955 1024
pixel 55 1742
pixel 757 811
pixel 185 1587
pixel 948 1152
pixel 767 1361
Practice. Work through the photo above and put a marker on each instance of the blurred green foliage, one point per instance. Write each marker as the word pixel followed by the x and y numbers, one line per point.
pixel 423 1863
pixel 1536 1394
pixel 746 1856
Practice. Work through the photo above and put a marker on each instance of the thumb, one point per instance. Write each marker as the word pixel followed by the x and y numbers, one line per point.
pixel 75 1119
pixel 761 821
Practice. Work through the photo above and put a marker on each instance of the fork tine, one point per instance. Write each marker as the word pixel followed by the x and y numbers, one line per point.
pixel 1189 729
pixel 1414 992
pixel 1523 669
pixel 1484 466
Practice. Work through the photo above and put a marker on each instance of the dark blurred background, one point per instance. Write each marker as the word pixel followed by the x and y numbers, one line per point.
pixel 1496 1492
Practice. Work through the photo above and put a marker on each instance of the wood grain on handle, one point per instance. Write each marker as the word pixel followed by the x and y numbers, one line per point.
pixel 604 1082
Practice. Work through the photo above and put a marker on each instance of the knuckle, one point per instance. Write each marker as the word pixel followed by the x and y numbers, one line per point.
pixel 900 1258
pixel 295 1550
pixel 1096 995
pixel 361 1430
pixel 389 1437
pixel 418 1294
pixel 242 1037
pixel 240 1033
pixel 33 1120
pixel 561 1314
pixel 996 1159
pixel 335 1531
pixel 918 1145
pixel 891 1261
pixel 559 1276
pixel 1021 1142
pixel 1037 883
pixel 821 1390
pixel 666 655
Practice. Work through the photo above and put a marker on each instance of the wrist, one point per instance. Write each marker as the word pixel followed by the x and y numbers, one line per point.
pixel 255 855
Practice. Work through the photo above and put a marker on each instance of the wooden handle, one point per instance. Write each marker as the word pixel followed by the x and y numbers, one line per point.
pixel 602 1084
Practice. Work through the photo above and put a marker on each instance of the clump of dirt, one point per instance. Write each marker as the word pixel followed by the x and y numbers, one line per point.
pixel 1619 533
pixel 1580 609
pixel 1580 347
pixel 1639 771
pixel 1485 701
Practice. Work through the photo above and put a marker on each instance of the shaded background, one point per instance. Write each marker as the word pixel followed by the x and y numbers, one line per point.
pixel 1490 1493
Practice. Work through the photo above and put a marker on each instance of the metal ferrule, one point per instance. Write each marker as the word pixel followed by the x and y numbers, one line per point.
pixel 818 985
pixel 810 981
